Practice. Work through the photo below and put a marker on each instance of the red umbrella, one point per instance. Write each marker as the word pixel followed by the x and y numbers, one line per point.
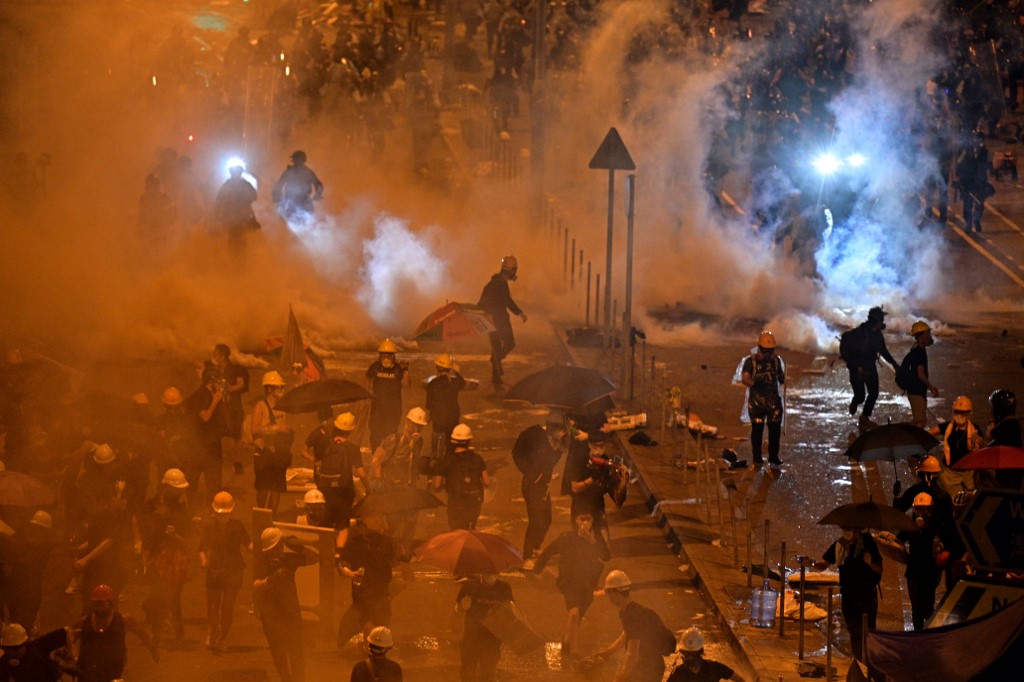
pixel 466 552
pixel 994 457
pixel 21 490
pixel 454 321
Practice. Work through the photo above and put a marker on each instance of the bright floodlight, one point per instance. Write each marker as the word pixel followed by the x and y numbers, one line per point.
pixel 827 164
pixel 232 163
pixel 856 160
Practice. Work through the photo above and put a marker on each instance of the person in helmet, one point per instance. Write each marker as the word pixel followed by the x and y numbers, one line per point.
pixel 496 301
pixel 599 476
pixel 377 667
pixel 866 345
pixel 644 637
pixel 162 528
pixel 960 437
pixel 177 433
pixel 1005 429
pixel 443 405
pixel 206 409
pixel 28 553
pixel 581 555
pixel 296 190
pixel 319 439
pixel 222 541
pixel 928 471
pixel 395 464
pixel 536 452
pixel 480 650
pixel 100 636
pixel 232 208
pixel 30 660
pixel 313 510
pixel 385 378
pixel 276 599
pixel 236 385
pixel 272 441
pixel 916 361
pixel 691 666
pixel 927 555
pixel 340 462
pixel 764 375
pixel 464 476
pixel 860 571
pixel 368 560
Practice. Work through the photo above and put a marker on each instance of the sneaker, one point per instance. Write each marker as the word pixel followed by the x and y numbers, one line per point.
pixel 73 586
pixel 775 462
pixel 758 460
pixel 853 409
pixel 529 564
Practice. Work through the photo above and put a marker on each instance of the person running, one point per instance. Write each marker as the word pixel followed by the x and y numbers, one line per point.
pixel 536 451
pixel 764 374
pixel 100 636
pixel 220 552
pixel 860 348
pixel 496 301
pixel 296 190
pixel 480 648
pixel 916 361
pixel 598 477
pixel 367 559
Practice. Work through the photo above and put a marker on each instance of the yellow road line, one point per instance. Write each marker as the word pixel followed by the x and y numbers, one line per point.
pixel 984 252
pixel 1005 220
pixel 729 200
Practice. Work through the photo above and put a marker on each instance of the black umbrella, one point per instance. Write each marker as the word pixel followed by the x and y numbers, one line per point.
pixel 564 386
pixel 891 442
pixel 396 501
pixel 21 490
pixel 322 393
pixel 138 438
pixel 868 515
pixel 34 379
pixel 107 408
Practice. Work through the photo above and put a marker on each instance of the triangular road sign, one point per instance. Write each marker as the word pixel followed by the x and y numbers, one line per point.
pixel 612 154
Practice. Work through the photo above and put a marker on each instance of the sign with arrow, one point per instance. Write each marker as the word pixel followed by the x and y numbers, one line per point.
pixel 992 526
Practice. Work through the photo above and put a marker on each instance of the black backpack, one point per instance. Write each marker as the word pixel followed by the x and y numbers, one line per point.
pixel 853 345
pixel 904 375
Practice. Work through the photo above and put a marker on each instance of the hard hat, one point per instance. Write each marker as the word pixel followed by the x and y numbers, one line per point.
pixel 273 379
pixel 417 415
pixel 509 263
pixel 13 635
pixel 445 361
pixel 387 346
pixel 766 340
pixel 102 593
pixel 223 503
pixel 962 404
pixel 919 327
pixel 876 313
pixel 346 421
pixel 270 537
pixel 299 156
pixel 1003 402
pixel 462 434
pixel 175 478
pixel 922 500
pixel 171 396
pixel 140 399
pixel 380 637
pixel 42 518
pixel 617 580
pixel 929 465
pixel 313 496
pixel 103 454
pixel 691 640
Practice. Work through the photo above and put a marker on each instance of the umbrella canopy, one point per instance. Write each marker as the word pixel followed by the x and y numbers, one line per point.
pixel 454 321
pixel 107 408
pixel 323 393
pixel 563 386
pixel 994 457
pixel 531 452
pixel 891 442
pixel 395 501
pixel 34 378
pixel 868 515
pixel 138 438
pixel 466 552
pixel 21 490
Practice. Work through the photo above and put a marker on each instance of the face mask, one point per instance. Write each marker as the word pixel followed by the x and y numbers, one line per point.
pixel 960 419
pixel 388 361
pixel 919 520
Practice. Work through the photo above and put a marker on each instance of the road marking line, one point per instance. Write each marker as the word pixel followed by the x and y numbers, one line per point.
pixel 992 259
pixel 1006 220
pixel 736 207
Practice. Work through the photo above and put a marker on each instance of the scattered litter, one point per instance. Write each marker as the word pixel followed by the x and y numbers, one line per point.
pixel 684 568
pixel 696 425
pixel 620 420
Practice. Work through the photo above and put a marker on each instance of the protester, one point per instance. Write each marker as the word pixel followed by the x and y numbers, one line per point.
pixel 860 351
pixel 1004 429
pixel 599 477
pixel 220 552
pixel 314 510
pixel 926 557
pixel 29 554
pixel 340 462
pixel 236 385
pixel 272 442
pixel 232 209
pixel 443 405
pixel 206 408
pixel 100 636
pixel 297 189
pixel 395 464
pixel 536 451
pixel 916 362
pixel 30 660
pixel 464 476
pixel 694 667
pixel 496 301
pixel 480 649
pixel 377 667
pixel 367 559
pixel 860 572
pixel 960 437
pixel 385 378
pixel 163 527
pixel 644 638
pixel 764 374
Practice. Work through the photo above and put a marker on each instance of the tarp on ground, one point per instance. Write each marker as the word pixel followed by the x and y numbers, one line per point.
pixel 982 649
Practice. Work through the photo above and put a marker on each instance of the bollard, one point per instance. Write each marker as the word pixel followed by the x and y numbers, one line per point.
pixel 828 637
pixel 717 480
pixel 597 300
pixel 767 534
pixel 702 454
pixel 572 265
pixel 735 536
pixel 565 253
pixel 803 586
pixel 782 591
pixel 750 545
pixel 587 323
pixel 581 262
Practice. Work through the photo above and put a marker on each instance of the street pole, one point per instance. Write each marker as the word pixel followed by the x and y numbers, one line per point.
pixel 537 105
pixel 628 308
pixel 608 253
pixel 448 61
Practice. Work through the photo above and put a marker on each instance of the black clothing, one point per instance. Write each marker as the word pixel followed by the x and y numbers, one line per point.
pixel 922 573
pixel 858 584
pixel 496 301
pixel 656 640
pixel 295 190
pixel 591 498
pixel 710 671
pixel 386 406
pixel 279 600
pixel 443 401
pixel 383 670
pixel 222 540
pixel 580 565
pixel 232 208
pixel 536 459
pixel 480 649
pixel 335 481
pixel 371 599
pixel 102 654
pixel 35 665
pixel 1008 432
pixel 864 368
pixel 917 357
pixel 463 481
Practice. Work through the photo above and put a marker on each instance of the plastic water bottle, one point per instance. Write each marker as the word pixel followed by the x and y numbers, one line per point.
pixel 763 603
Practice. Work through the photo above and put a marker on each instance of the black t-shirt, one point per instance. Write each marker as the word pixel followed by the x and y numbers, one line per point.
pixel 386 385
pixel 917 357
pixel 207 432
pixel 463 474
pixel 336 467
pixel 384 670
pixel 580 562
pixel 534 455
pixel 856 579
pixel 483 597
pixel 375 553
pixel 443 400
pixel 1008 432
pixel 36 665
pixel 710 671
pixel 279 601
pixel 318 442
pixel 656 640
pixel 222 541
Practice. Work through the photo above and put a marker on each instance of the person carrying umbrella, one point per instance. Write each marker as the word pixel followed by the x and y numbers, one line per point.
pixel 443 405
pixel 480 648
pixel 860 571
pixel 386 378
pixel 764 374
pixel 464 476
pixel 367 559
pixel 496 301
pixel 341 460
pixel 536 451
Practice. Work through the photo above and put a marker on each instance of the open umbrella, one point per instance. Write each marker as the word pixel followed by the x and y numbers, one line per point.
pixel 454 321
pixel 396 501
pixel 563 386
pixel 868 515
pixel 39 379
pixel 465 552
pixel 891 442
pixel 138 438
pixel 21 490
pixel 994 457
pixel 314 395
pixel 104 408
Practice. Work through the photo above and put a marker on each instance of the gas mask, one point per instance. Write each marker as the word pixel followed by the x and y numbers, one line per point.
pixel 387 360
pixel 960 420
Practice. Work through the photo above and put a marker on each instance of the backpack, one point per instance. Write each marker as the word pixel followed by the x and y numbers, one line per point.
pixel 852 344
pixel 904 375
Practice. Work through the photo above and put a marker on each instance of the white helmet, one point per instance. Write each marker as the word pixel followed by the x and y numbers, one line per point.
pixel 15 635
pixel 313 496
pixel 103 454
pixel 381 638
pixel 462 434
pixel 175 478
pixel 42 518
pixel 417 415
pixel 691 640
pixel 270 537
pixel 617 580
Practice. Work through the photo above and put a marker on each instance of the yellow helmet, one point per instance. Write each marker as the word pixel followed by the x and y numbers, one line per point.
pixel 223 503
pixel 140 399
pixel 346 421
pixel 273 379
pixel 171 396
pixel 509 263
pixel 766 340
pixel 387 346
pixel 418 416
pixel 919 327
pixel 922 500
pixel 929 465
pixel 445 361
pixel 962 404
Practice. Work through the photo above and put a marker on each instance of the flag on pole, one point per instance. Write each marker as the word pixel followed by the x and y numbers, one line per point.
pixel 294 350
